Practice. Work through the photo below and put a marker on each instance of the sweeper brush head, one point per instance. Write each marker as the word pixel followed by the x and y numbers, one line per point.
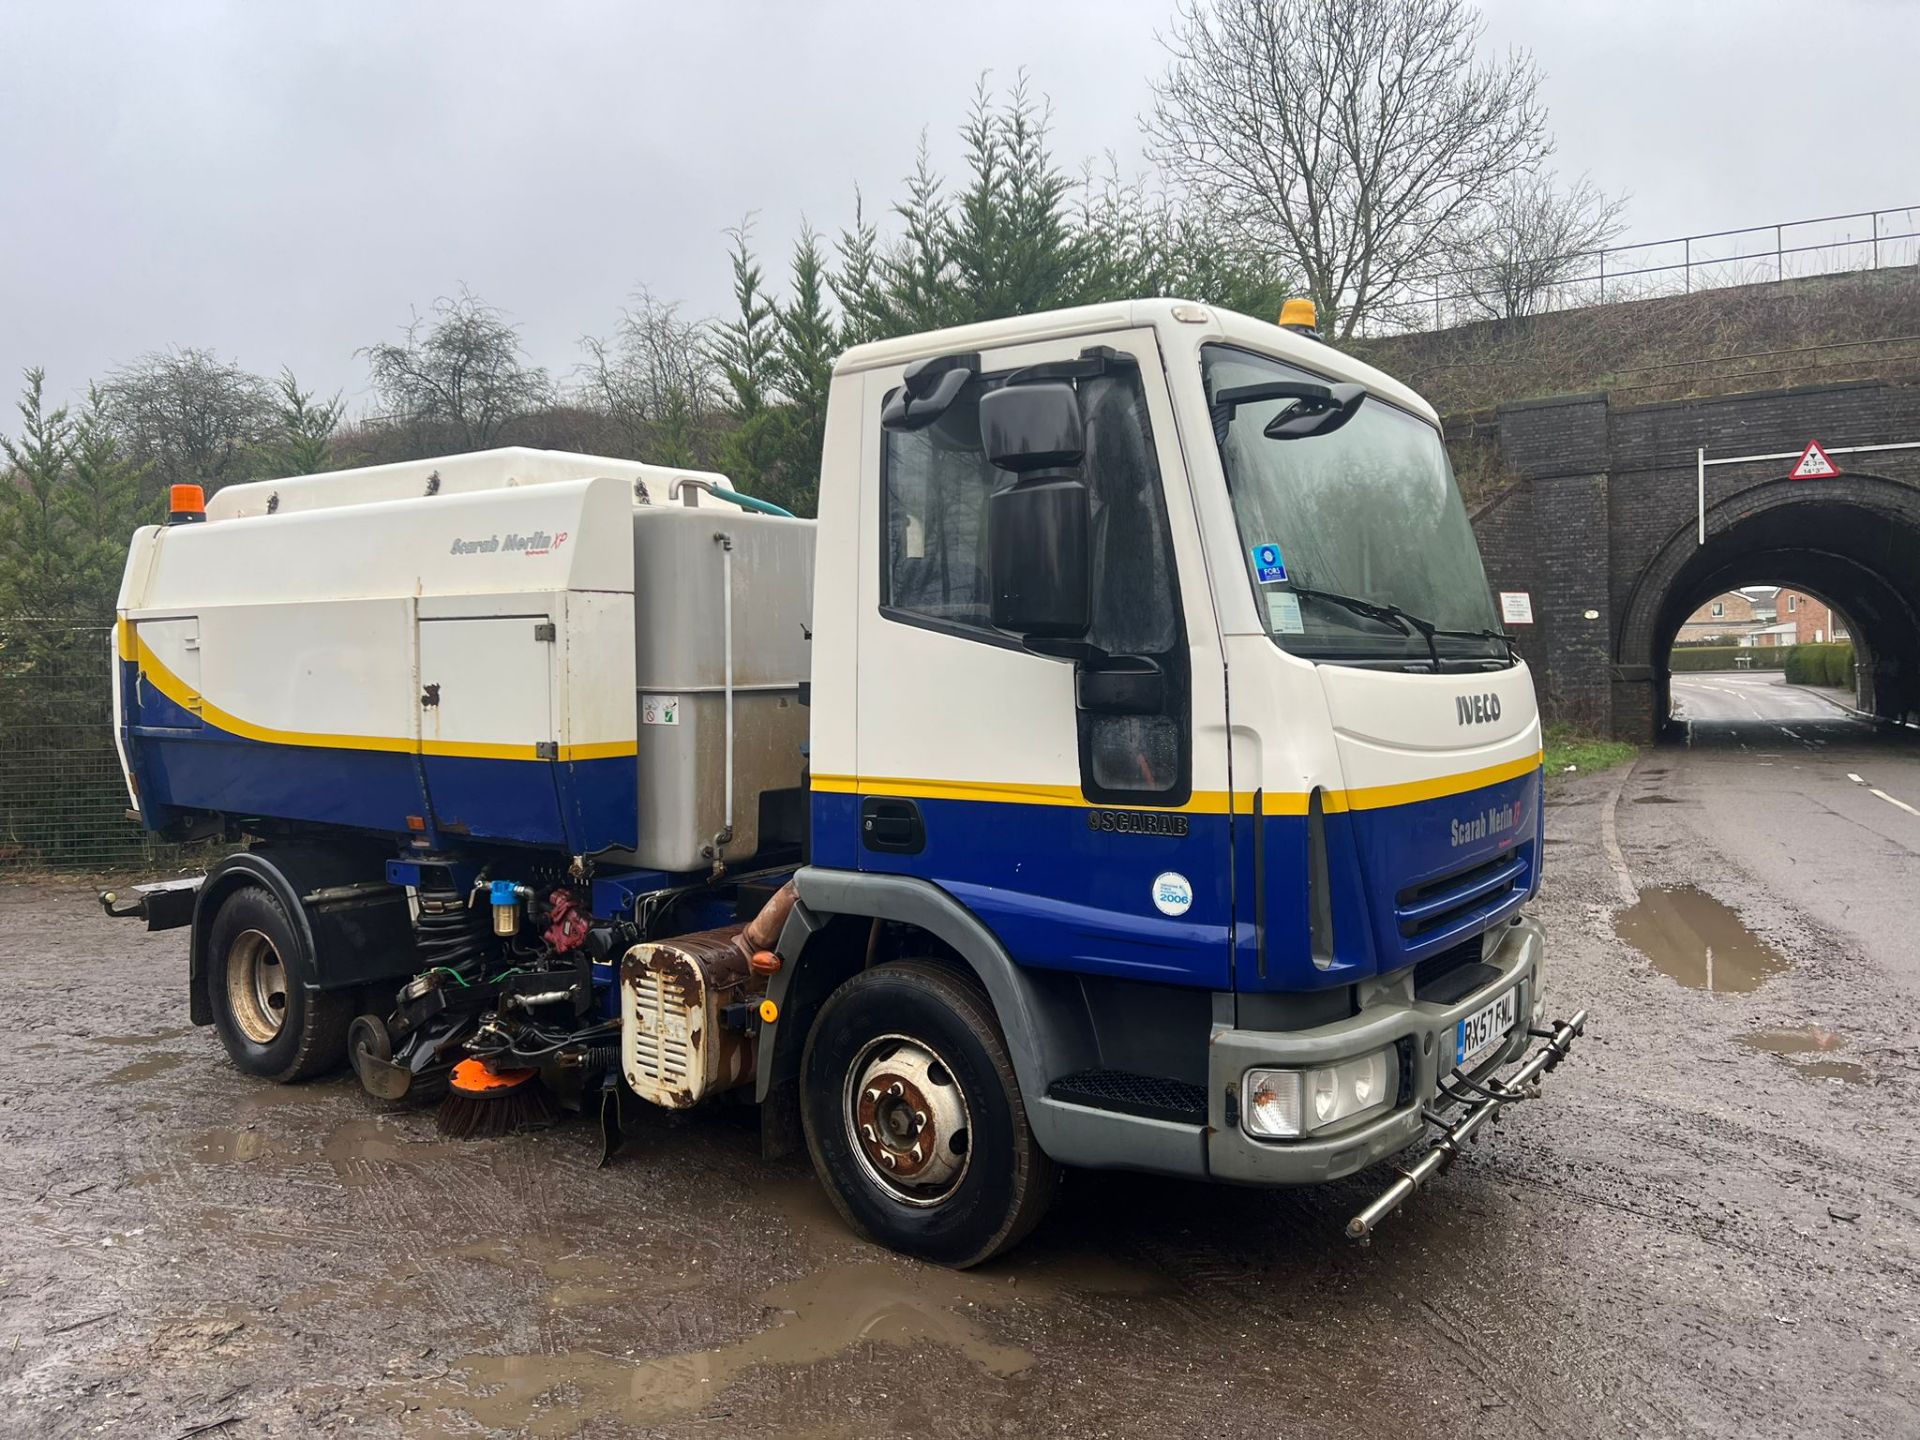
pixel 481 1102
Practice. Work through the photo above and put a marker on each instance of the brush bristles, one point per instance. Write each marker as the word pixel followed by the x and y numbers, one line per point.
pixel 465 1116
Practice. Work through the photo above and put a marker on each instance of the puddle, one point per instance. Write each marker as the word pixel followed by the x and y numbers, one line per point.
pixel 154 1039
pixel 822 1314
pixel 223 1147
pixel 1812 1040
pixel 1849 1071
pixel 1691 937
pixel 143 1069
pixel 1809 1041
pixel 816 1317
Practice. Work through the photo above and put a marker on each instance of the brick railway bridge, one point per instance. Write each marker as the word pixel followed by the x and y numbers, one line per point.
pixel 1601 526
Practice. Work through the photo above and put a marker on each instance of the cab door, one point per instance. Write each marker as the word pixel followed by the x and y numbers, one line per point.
pixel 1087 828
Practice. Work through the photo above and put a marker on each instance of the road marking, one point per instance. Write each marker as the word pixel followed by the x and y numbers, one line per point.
pixel 1891 801
pixel 1610 844
pixel 1855 778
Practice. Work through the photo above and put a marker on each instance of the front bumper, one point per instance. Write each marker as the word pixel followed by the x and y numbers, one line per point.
pixel 1422 1033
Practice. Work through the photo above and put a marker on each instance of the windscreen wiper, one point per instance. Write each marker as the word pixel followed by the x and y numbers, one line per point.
pixel 1407 622
pixel 1402 620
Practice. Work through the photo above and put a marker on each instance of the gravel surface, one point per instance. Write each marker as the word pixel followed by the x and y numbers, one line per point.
pixel 1694 1233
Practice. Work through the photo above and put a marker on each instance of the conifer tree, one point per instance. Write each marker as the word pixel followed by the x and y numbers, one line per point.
pixel 304 444
pixel 804 359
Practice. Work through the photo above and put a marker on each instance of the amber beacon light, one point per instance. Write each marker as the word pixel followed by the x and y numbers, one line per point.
pixel 186 504
pixel 1299 315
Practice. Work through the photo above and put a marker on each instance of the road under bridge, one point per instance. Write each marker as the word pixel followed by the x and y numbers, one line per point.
pixel 1620 520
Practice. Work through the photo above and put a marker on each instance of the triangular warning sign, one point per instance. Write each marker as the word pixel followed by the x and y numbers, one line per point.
pixel 1813 464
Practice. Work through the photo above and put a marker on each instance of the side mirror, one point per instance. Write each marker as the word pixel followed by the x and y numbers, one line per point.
pixel 1039 533
pixel 1028 428
pixel 1039 558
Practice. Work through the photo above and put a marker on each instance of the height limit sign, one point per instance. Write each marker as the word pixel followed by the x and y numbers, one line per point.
pixel 1813 464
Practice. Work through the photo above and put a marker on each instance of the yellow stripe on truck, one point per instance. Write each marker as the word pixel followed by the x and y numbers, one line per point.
pixel 132 647
pixel 1204 802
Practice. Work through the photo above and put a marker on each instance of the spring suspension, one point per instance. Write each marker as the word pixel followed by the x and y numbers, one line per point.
pixel 448 932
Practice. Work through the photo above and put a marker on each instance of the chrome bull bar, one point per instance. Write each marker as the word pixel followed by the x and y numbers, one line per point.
pixel 1484 1101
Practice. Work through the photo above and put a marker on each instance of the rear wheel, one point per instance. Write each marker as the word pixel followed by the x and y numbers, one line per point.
pixel 270 1023
pixel 914 1119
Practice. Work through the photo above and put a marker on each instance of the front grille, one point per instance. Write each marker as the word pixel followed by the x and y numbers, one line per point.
pixel 1430 910
pixel 1433 973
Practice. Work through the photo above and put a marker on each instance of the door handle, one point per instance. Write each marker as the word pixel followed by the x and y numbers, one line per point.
pixel 892 826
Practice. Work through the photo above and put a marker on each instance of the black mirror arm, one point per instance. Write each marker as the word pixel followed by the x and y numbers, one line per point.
pixel 1092 363
pixel 1080 652
pixel 906 411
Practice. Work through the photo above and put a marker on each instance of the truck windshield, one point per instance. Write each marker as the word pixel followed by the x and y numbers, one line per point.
pixel 1367 512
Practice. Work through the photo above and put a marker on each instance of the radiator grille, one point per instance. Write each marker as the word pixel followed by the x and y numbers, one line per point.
pixel 658 1041
pixel 1438 908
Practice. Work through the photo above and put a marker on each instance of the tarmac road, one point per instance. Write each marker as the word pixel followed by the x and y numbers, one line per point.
pixel 1694 1233
pixel 1813 801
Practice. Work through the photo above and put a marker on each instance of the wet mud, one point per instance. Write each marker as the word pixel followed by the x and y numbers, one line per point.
pixel 1702 1228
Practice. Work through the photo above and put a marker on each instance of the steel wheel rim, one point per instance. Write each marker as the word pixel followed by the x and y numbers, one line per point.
pixel 907 1120
pixel 256 987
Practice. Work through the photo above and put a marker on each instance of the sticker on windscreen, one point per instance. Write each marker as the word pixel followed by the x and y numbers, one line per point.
pixel 1283 613
pixel 1268 567
pixel 1172 895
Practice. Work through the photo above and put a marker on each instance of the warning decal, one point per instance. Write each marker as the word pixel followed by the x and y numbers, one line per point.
pixel 1813 464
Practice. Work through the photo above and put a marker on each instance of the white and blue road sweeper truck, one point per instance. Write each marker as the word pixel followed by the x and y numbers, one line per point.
pixel 1126 770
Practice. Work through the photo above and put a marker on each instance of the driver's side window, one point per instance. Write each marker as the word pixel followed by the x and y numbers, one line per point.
pixel 935 484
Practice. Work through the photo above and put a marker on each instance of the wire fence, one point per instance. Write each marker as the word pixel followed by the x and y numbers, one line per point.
pixel 1714 260
pixel 63 803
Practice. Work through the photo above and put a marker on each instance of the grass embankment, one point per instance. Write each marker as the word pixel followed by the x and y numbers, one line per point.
pixel 1569 746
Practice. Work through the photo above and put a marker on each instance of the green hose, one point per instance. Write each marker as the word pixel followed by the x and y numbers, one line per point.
pixel 751 502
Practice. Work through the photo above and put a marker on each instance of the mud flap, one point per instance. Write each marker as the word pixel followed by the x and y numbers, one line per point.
pixel 613 1129
pixel 1483 1102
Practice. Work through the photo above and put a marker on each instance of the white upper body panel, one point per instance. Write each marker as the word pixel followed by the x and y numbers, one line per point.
pixel 502 469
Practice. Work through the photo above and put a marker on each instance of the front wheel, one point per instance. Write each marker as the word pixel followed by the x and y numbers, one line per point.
pixel 271 1024
pixel 914 1119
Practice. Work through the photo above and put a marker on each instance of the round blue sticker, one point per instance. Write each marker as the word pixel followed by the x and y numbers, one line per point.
pixel 1172 895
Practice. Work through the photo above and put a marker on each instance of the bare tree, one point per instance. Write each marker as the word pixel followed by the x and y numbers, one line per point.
pixel 457 376
pixel 1347 137
pixel 655 379
pixel 1530 242
pixel 188 416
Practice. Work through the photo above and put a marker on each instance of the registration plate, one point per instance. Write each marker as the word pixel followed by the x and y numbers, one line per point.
pixel 1485 1030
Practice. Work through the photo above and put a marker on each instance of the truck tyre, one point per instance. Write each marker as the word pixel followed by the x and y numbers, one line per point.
pixel 914 1119
pixel 270 1023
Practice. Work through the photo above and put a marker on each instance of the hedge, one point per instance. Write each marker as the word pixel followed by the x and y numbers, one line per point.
pixel 1722 657
pixel 1804 664
pixel 1820 665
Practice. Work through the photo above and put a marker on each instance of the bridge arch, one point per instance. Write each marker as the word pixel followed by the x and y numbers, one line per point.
pixel 1854 541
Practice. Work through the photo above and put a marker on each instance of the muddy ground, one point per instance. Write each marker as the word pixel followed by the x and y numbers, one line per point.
pixel 1691 1235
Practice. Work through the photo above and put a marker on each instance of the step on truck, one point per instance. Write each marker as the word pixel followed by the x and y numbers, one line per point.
pixel 1126 770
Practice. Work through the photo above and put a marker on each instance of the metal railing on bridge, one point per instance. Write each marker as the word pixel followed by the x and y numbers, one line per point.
pixel 1716 259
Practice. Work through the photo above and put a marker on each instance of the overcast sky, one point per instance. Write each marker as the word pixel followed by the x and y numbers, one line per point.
pixel 282 181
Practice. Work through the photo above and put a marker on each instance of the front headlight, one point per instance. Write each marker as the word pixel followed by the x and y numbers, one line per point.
pixel 1289 1104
